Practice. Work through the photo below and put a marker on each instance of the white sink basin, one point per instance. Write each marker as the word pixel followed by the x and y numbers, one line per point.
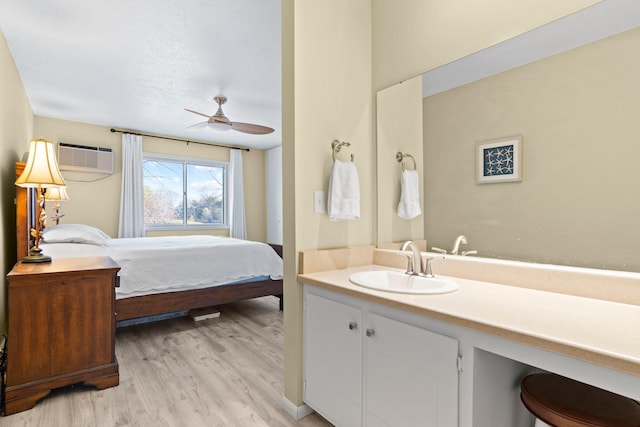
pixel 394 281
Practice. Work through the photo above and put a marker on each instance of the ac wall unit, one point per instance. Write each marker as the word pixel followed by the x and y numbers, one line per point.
pixel 82 158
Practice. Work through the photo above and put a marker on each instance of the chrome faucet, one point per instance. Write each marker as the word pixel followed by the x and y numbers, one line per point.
pixel 460 240
pixel 415 266
pixel 414 259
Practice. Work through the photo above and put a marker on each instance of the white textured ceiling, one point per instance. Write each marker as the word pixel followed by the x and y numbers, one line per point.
pixel 136 64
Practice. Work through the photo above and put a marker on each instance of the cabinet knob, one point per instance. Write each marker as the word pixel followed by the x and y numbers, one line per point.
pixel 353 325
pixel 64 282
pixel 370 332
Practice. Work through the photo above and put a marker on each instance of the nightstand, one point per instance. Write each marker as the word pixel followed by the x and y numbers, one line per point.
pixel 61 328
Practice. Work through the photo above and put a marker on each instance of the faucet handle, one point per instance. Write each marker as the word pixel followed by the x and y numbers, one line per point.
pixel 410 267
pixel 427 266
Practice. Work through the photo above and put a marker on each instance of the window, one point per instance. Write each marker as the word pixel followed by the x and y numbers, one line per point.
pixel 184 193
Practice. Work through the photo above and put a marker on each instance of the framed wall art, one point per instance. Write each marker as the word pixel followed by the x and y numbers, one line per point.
pixel 499 160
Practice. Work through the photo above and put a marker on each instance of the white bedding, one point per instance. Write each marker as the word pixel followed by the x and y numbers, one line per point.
pixel 151 265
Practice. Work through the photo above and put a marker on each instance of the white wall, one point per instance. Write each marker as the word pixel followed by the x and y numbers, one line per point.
pixel 326 95
pixel 16 129
pixel 274 195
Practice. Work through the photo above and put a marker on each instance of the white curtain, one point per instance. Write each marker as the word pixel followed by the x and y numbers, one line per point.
pixel 132 192
pixel 237 223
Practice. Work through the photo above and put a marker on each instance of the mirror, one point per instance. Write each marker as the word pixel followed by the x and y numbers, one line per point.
pixel 578 113
pixel 399 130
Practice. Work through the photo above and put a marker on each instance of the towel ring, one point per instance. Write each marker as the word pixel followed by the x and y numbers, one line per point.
pixel 400 157
pixel 337 145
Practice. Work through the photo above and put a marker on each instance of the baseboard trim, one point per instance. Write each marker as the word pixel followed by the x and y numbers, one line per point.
pixel 295 411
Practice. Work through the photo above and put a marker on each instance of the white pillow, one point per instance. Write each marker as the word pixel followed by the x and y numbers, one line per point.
pixel 75 233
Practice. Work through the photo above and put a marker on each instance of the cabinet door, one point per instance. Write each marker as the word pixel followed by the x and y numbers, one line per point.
pixel 411 375
pixel 59 325
pixel 333 360
pixel 29 335
pixel 80 319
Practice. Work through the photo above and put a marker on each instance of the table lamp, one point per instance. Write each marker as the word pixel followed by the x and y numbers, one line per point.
pixel 58 194
pixel 40 171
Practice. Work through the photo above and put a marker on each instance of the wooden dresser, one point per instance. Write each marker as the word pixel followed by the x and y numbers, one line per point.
pixel 61 328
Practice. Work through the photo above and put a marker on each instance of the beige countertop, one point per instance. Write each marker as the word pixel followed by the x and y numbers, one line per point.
pixel 601 332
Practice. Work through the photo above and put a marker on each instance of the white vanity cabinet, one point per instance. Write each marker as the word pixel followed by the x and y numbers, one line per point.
pixel 411 375
pixel 333 359
pixel 364 367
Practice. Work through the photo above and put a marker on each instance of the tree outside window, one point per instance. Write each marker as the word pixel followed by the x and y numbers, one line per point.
pixel 182 193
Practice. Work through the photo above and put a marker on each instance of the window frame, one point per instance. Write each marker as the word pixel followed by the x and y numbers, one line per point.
pixel 194 162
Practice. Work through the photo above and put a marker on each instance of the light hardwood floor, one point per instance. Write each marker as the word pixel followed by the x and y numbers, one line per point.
pixel 217 372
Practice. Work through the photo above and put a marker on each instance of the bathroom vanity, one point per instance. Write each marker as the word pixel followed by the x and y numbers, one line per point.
pixel 381 358
pixel 364 361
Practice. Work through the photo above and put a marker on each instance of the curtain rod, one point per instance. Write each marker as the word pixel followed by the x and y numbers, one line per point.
pixel 178 139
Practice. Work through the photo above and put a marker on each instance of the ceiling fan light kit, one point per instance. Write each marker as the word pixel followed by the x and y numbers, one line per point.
pixel 221 122
pixel 221 126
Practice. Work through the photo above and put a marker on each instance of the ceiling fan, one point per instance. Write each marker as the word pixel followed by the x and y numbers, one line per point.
pixel 221 122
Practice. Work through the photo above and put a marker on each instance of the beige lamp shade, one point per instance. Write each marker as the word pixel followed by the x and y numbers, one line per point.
pixel 41 168
pixel 56 193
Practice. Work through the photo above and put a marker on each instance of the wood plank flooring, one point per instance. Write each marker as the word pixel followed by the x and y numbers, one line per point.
pixel 217 372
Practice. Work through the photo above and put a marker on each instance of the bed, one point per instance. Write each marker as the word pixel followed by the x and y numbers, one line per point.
pixel 162 274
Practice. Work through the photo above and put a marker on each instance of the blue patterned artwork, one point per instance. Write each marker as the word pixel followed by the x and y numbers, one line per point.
pixel 498 160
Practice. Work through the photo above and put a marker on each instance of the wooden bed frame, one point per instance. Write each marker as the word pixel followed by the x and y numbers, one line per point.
pixel 148 305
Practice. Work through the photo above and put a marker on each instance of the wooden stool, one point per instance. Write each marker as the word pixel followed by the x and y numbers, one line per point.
pixel 561 402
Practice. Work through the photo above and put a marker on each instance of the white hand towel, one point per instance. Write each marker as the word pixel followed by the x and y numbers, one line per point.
pixel 409 206
pixel 344 191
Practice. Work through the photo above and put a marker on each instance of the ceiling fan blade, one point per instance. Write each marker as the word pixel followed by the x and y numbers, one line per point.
pixel 250 128
pixel 219 121
pixel 198 113
pixel 200 125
